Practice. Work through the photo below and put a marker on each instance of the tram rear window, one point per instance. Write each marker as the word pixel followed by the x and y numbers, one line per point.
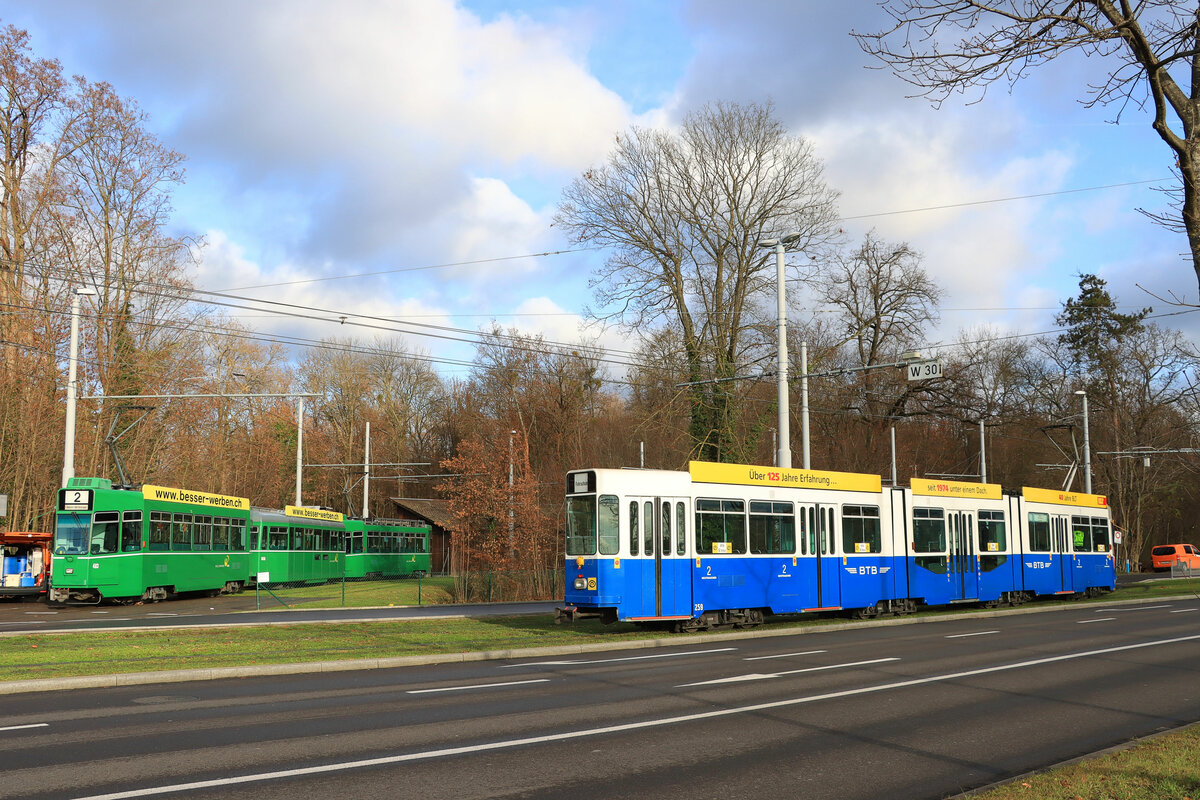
pixel 581 526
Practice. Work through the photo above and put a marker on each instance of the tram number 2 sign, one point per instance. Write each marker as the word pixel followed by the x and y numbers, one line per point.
pixel 924 370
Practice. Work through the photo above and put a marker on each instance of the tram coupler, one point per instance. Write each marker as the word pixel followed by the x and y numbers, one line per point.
pixel 569 614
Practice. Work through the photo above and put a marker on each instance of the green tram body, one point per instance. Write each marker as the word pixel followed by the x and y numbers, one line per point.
pixel 129 545
pixel 386 548
pixel 298 545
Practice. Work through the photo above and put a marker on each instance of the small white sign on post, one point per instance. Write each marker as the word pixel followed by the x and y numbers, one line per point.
pixel 924 370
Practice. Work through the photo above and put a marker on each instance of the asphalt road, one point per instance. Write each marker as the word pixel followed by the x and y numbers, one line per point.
pixel 912 711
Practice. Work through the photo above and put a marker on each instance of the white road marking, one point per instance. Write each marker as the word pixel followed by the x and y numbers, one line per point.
pixel 99 612
pixel 506 744
pixel 784 655
pixel 161 614
pixel 758 676
pixel 1132 608
pixel 476 686
pixel 1185 610
pixel 1087 621
pixel 616 660
pixel 25 727
pixel 977 633
pixel 41 612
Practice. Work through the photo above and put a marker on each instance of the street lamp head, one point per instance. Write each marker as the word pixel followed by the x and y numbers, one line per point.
pixel 85 291
pixel 1081 392
pixel 788 238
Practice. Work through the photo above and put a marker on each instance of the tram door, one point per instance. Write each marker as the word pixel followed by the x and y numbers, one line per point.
pixel 672 575
pixel 1061 535
pixel 963 568
pixel 818 536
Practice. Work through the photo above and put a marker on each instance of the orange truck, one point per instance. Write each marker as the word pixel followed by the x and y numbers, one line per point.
pixel 24 564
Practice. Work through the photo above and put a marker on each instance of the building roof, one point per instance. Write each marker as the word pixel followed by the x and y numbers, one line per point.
pixel 436 512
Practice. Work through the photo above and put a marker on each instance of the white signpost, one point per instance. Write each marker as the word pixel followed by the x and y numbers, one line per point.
pixel 923 370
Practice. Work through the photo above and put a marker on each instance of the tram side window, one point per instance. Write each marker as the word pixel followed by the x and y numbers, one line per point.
pixel 131 531
pixel 1039 532
pixel 608 521
pixel 160 531
pixel 648 528
pixel 772 528
pixel 278 538
pixel 202 533
pixel 861 530
pixel 720 527
pixel 355 542
pixel 1081 534
pixel 634 534
pixel 220 533
pixel 1100 535
pixel 106 532
pixel 666 529
pixel 581 526
pixel 993 540
pixel 680 528
pixel 929 536
pixel 181 532
pixel 992 537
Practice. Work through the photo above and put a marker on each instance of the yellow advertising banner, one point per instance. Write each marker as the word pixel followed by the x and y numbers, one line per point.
pixel 1064 498
pixel 313 513
pixel 934 488
pixel 196 498
pixel 745 474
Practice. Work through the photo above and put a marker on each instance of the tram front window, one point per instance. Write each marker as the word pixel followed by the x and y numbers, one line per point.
pixel 581 526
pixel 71 534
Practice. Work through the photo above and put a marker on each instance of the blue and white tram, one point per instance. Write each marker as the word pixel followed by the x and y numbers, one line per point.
pixel 728 543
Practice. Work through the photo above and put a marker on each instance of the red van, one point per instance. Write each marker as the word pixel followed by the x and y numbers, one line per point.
pixel 1165 556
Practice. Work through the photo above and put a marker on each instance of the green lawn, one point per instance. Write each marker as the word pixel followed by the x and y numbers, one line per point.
pixel 1164 768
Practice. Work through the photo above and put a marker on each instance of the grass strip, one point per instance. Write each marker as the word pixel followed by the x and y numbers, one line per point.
pixel 32 656
pixel 39 656
pixel 1166 767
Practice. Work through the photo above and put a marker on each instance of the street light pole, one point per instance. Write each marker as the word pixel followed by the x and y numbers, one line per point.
pixel 68 470
pixel 804 460
pixel 1087 445
pixel 783 456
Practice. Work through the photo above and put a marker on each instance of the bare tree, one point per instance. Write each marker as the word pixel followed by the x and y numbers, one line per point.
pixel 682 213
pixel 1148 52
pixel 884 300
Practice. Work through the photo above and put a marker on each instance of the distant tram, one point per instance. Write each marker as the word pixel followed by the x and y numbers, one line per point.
pixel 727 544
pixel 150 543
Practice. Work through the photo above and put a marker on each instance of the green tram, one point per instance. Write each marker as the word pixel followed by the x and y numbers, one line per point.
pixel 298 545
pixel 129 545
pixel 386 548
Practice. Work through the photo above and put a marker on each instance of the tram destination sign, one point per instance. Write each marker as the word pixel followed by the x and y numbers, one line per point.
pixel 924 370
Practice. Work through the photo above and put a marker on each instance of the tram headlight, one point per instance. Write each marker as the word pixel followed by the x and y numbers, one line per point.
pixel 581 583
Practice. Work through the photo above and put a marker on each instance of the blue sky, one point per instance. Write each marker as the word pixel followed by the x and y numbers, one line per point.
pixel 339 139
